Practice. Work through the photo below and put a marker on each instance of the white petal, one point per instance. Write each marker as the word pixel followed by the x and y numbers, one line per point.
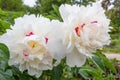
pixel 57 49
pixel 75 58
pixel 35 72
pixel 64 13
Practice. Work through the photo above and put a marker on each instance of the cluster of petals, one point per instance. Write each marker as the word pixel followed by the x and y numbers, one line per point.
pixel 35 42
pixel 28 41
pixel 85 30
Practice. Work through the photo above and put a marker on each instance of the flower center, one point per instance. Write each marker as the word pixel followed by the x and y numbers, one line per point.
pixel 34 45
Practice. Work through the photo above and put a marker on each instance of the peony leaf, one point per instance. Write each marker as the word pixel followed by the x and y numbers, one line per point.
pixel 98 62
pixel 56 9
pixel 5 49
pixel 4 56
pixel 6 75
pixel 3 26
pixel 84 74
pixel 107 63
pixel 89 70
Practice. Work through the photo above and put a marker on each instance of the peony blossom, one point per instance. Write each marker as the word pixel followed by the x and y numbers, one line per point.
pixel 28 42
pixel 85 30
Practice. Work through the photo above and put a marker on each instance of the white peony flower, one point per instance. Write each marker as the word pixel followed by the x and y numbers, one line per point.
pixel 27 41
pixel 85 30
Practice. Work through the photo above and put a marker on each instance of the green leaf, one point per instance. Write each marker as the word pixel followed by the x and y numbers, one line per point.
pixel 56 9
pixel 74 79
pixel 107 63
pixel 57 72
pixel 98 62
pixel 91 71
pixel 84 74
pixel 21 75
pixel 4 56
pixel 110 77
pixel 5 49
pixel 5 75
pixel 3 26
pixel 51 17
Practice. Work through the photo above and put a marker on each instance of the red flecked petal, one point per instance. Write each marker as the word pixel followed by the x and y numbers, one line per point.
pixel 94 22
pixel 83 25
pixel 25 53
pixel 77 30
pixel 30 33
pixel 46 40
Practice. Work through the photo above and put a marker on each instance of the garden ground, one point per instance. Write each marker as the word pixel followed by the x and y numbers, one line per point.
pixel 113 56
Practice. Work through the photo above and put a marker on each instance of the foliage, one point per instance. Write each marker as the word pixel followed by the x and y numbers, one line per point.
pixel 50 10
pixel 114 15
pixel 115 20
pixel 5 72
pixel 0 3
pixel 82 2
pixel 7 19
pixel 12 5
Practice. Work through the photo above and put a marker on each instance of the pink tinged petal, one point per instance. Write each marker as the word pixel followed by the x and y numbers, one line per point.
pixel 30 33
pixel 82 25
pixel 94 22
pixel 46 40
pixel 75 58
pixel 25 53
